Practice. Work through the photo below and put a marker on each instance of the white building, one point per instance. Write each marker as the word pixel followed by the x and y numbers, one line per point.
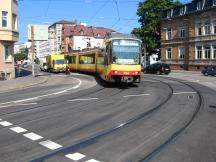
pixel 80 36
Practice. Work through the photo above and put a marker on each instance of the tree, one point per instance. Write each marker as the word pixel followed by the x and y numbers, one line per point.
pixel 149 12
pixel 20 56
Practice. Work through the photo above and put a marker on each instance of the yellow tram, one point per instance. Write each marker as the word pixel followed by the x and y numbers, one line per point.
pixel 119 61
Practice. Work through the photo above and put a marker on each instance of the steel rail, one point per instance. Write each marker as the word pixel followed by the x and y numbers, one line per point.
pixel 152 154
pixel 93 138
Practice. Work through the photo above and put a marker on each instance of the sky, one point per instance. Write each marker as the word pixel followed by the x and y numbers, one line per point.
pixel 119 15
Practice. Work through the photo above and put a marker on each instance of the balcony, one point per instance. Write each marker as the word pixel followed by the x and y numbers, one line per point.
pixel 9 35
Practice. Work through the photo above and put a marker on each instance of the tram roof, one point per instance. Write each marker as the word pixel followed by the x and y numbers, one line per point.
pixel 121 35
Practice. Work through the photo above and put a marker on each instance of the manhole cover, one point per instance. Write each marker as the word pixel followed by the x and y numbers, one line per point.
pixel 212 106
pixel 190 97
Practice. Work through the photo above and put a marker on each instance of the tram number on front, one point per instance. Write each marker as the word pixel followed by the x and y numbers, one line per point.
pixel 126 73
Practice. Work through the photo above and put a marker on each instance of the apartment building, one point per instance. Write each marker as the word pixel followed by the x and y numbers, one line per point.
pixel 8 36
pixel 55 35
pixel 188 35
pixel 43 50
pixel 81 36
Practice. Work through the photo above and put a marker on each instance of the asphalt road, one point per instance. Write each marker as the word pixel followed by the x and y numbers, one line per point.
pixel 76 118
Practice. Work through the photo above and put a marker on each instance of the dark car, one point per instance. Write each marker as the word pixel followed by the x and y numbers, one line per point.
pixel 43 67
pixel 209 71
pixel 25 65
pixel 158 68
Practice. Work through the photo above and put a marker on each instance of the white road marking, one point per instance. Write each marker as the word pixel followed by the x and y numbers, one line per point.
pixel 92 160
pixel 137 95
pixel 18 129
pixel 0 119
pixel 37 97
pixel 32 136
pixel 18 105
pixel 76 156
pixel 5 123
pixel 176 93
pixel 208 83
pixel 24 100
pixel 51 145
pixel 83 99
pixel 151 81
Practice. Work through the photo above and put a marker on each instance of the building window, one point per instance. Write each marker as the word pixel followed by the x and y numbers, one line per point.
pixel 214 51
pixel 199 52
pixel 169 13
pixel 199 29
pixel 182 11
pixel 81 32
pixel 182 33
pixel 14 19
pixel 4 18
pixel 207 28
pixel 169 34
pixel 214 2
pixel 169 53
pixel 182 53
pixel 214 28
pixel 207 52
pixel 7 54
pixel 199 5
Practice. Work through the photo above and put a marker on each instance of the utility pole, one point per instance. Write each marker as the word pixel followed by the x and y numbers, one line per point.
pixel 32 50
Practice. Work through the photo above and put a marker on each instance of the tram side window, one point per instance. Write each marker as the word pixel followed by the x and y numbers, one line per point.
pixel 100 59
pixel 87 59
pixel 106 55
pixel 72 60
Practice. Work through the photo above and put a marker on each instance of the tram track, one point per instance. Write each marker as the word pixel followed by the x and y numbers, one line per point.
pixel 86 141
pixel 83 142
pixel 151 155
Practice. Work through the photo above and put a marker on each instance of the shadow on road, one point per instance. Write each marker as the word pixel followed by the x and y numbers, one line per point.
pixel 20 72
pixel 114 85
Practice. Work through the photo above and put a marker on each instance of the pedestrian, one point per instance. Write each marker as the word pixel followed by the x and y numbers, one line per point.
pixel 67 70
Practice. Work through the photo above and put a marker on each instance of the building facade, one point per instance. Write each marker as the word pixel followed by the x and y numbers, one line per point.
pixel 188 35
pixel 55 35
pixel 81 36
pixel 8 36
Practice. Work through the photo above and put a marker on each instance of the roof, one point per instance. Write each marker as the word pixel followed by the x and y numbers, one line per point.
pixel 90 31
pixel 189 8
pixel 63 22
pixel 121 35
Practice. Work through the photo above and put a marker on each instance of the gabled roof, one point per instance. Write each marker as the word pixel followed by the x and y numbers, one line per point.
pixel 90 31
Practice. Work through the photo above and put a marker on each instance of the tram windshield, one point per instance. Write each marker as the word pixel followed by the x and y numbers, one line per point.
pixel 126 52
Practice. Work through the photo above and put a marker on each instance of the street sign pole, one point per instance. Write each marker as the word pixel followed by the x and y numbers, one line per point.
pixel 32 50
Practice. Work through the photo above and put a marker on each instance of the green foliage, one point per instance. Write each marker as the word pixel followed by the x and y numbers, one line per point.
pixel 37 61
pixel 20 56
pixel 149 12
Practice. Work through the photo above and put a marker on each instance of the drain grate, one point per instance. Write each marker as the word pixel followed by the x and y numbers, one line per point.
pixel 190 97
pixel 212 106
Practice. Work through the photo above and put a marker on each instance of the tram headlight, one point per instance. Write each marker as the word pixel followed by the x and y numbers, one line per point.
pixel 137 72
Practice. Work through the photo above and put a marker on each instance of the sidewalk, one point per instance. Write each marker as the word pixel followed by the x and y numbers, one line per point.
pixel 21 82
pixel 186 72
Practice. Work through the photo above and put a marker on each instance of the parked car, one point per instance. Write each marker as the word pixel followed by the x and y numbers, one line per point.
pixel 43 67
pixel 209 71
pixel 158 68
pixel 25 65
